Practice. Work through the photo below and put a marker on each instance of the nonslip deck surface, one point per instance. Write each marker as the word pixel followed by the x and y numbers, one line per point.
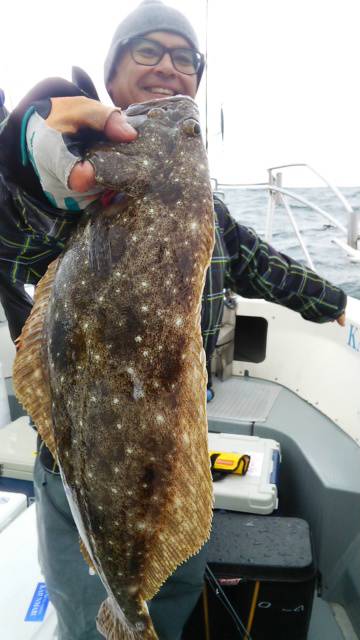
pixel 242 400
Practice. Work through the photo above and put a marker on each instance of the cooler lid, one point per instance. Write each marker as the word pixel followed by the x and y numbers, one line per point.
pixel 18 445
pixel 260 547
pixel 11 504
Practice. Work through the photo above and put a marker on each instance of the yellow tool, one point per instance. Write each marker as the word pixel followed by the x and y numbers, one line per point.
pixel 227 462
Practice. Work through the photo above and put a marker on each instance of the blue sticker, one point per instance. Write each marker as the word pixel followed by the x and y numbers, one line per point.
pixel 39 604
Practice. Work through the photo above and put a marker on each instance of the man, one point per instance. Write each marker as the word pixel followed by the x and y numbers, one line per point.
pixel 154 53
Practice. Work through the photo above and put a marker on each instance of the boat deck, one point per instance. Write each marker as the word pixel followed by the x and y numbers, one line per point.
pixel 319 482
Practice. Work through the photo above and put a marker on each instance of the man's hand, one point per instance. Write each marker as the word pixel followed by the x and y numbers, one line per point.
pixel 68 115
pixel 341 320
pixel 55 146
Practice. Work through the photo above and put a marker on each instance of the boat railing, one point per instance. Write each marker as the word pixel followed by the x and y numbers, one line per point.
pixel 278 195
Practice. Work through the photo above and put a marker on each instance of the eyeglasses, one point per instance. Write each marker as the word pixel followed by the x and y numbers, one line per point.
pixel 149 53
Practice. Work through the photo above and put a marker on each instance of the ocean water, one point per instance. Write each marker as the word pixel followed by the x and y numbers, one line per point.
pixel 249 207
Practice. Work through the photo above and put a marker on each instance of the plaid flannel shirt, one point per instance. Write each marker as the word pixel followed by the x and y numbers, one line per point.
pixel 31 236
pixel 243 262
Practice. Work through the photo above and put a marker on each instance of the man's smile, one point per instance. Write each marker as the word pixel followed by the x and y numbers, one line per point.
pixel 166 91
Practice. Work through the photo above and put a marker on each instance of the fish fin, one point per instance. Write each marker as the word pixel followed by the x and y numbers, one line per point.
pixel 30 378
pixel 112 623
pixel 86 556
pixel 182 538
pixel 186 523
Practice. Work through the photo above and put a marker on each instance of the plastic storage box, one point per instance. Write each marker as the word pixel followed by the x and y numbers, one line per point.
pixel 17 456
pixel 11 504
pixel 257 491
pixel 265 566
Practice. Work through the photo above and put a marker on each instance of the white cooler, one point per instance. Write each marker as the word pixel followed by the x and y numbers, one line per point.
pixel 18 449
pixel 256 491
pixel 25 612
pixel 11 505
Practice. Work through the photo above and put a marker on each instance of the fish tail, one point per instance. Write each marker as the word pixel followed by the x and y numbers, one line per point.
pixel 117 627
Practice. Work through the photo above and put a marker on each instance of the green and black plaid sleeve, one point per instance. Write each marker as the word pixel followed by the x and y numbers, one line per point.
pixel 257 270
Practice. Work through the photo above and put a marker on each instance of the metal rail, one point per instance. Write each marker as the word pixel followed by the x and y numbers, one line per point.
pixel 279 195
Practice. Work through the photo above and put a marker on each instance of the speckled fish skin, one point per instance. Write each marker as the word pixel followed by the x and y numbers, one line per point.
pixel 126 365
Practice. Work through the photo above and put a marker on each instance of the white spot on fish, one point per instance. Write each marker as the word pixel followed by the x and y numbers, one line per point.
pixel 116 469
pixel 119 425
pixel 129 450
pixel 114 490
pixel 178 322
pixel 116 400
pixel 138 339
pixel 144 307
pixel 133 589
pixel 160 419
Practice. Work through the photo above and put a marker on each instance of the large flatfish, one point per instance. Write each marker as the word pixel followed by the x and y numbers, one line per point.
pixel 111 364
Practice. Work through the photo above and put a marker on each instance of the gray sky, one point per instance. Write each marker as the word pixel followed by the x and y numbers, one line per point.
pixel 285 71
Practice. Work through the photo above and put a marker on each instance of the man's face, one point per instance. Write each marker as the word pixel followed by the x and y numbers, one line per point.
pixel 134 82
